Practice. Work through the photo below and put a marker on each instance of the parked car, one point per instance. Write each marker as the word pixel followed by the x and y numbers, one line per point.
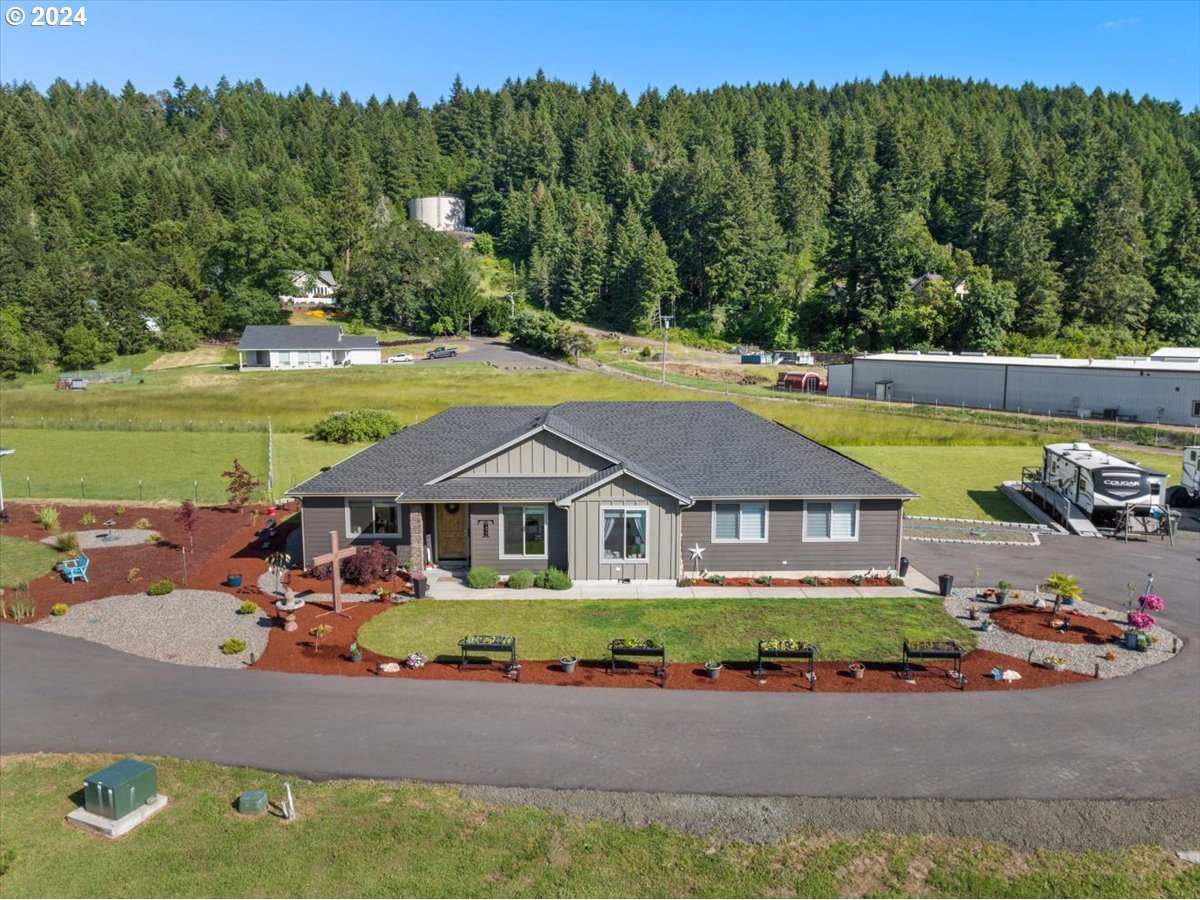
pixel 400 358
pixel 441 353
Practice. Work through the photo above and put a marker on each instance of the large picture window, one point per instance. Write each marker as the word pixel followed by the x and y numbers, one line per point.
pixel 740 522
pixel 523 531
pixel 372 517
pixel 831 521
pixel 624 534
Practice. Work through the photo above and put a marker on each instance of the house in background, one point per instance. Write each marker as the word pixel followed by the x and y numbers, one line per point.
pixel 310 289
pixel 609 491
pixel 917 285
pixel 304 347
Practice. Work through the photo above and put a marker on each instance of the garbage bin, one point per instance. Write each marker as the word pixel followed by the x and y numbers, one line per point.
pixel 945 584
pixel 903 566
pixel 420 585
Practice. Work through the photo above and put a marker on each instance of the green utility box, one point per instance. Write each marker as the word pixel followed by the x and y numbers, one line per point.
pixel 120 789
pixel 252 802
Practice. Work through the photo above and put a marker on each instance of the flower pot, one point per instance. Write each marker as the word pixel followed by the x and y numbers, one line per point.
pixel 945 584
pixel 987 626
pixel 713 670
pixel 857 671
pixel 420 586
pixel 355 657
pixel 1001 597
pixel 973 615
pixel 568 664
pixel 234 579
pixel 1131 640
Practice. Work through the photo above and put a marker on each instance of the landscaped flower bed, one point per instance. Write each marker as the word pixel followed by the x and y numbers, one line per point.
pixel 1031 622
pixel 801 582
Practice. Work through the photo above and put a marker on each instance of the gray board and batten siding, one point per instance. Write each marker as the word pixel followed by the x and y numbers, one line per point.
pixel 543 454
pixel 321 515
pixel 587 530
pixel 785 550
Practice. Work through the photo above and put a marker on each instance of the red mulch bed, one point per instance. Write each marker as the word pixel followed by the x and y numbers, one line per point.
pixel 303 585
pixel 1030 622
pixel 297 652
pixel 790 583
pixel 225 542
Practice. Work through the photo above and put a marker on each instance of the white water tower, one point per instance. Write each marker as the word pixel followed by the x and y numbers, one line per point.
pixel 445 212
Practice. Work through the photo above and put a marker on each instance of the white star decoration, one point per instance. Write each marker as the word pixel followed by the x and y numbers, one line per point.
pixel 697 552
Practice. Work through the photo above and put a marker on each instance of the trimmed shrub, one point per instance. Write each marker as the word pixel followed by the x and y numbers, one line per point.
pixel 67 542
pixel 178 339
pixel 119 511
pixel 233 645
pixel 154 538
pixel 248 608
pixel 87 519
pixel 134 574
pixel 553 579
pixel 159 588
pixel 47 517
pixel 58 609
pixel 348 426
pixel 482 577
pixel 142 523
pixel 521 580
pixel 370 564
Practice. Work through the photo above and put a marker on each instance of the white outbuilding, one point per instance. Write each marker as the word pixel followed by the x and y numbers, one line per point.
pixel 304 347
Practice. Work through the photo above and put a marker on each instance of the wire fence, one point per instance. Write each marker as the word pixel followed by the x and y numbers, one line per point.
pixel 132 490
pixel 81 423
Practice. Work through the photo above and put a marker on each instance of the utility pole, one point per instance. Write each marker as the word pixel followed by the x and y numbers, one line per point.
pixel 666 325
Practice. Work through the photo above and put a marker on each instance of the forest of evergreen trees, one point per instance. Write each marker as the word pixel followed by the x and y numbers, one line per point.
pixel 789 216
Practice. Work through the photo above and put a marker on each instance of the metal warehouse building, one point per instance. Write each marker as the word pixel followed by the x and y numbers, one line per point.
pixel 1162 388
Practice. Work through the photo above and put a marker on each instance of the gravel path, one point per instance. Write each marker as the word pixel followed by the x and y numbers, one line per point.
pixel 1082 658
pixel 186 627
pixel 1026 824
pixel 120 537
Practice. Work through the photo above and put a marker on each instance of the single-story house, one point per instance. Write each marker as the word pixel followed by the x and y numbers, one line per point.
pixel 311 289
pixel 609 491
pixel 304 347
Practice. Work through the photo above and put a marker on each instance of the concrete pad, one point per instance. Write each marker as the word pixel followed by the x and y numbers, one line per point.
pixel 115 828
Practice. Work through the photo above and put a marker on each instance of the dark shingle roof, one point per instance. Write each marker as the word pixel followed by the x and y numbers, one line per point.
pixel 697 449
pixel 302 337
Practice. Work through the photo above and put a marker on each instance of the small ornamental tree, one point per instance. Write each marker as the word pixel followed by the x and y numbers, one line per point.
pixel 319 632
pixel 242 485
pixel 370 564
pixel 189 516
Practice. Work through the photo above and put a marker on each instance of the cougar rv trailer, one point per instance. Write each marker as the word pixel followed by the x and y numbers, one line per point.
pixel 1100 484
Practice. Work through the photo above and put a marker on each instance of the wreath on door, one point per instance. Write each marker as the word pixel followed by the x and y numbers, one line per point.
pixel 452 508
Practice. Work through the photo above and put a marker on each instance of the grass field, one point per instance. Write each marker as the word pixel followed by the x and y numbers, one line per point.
pixel 22 560
pixel 691 630
pixel 398 839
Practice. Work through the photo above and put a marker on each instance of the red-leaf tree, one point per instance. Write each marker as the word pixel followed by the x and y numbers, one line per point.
pixel 242 484
pixel 189 516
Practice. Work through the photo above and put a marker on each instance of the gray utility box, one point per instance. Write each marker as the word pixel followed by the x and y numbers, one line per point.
pixel 122 788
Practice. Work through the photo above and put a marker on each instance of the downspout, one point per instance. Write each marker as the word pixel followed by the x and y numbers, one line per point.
pixel 900 533
pixel 1004 400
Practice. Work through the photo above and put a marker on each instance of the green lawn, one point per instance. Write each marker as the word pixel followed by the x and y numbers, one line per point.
pixel 399 839
pixel 692 630
pixel 22 560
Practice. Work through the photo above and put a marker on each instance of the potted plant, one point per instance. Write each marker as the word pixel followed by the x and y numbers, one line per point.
pixel 420 584
pixel 1065 588
pixel 568 664
pixel 1055 663
pixel 1135 636
pixel 973 612
pixel 857 671
pixel 355 653
pixel 1002 590
pixel 987 625
pixel 713 668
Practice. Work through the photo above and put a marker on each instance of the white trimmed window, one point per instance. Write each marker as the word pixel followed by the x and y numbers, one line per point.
pixel 835 520
pixel 624 534
pixel 523 531
pixel 739 522
pixel 372 518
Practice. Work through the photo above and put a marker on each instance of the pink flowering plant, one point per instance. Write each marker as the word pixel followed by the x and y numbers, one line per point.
pixel 1141 621
pixel 1151 602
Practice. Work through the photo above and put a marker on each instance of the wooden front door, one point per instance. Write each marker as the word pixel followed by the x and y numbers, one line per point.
pixel 452 531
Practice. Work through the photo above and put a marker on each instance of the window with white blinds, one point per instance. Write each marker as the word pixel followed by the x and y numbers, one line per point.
pixel 831 521
pixel 740 522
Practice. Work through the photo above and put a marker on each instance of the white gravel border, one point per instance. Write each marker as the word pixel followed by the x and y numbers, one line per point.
pixel 92 540
pixel 1081 658
pixel 186 627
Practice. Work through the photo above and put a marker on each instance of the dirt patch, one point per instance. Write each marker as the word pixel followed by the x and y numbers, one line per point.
pixel 208 354
pixel 1040 624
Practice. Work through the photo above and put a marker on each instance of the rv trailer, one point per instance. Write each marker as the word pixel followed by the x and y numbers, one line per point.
pixel 1103 486
pixel 1187 493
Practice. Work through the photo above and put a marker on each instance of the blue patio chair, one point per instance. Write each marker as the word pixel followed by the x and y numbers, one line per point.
pixel 76 568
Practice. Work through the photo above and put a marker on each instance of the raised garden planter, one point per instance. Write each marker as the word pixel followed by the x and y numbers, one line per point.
pixel 934 651
pixel 489 643
pixel 638 648
pixel 786 648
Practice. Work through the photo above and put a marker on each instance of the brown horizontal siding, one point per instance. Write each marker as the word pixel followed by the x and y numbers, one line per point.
pixel 485 551
pixel 785 549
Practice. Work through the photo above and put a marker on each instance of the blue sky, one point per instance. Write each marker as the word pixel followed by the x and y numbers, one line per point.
pixel 393 48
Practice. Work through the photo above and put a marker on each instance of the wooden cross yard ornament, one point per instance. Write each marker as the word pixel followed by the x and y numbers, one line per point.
pixel 335 556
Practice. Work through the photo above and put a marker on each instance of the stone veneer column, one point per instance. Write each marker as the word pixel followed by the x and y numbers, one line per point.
pixel 416 533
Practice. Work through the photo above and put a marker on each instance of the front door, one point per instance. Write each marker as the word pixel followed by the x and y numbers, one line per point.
pixel 452 531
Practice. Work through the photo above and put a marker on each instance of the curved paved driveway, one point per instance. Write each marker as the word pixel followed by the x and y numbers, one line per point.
pixel 1137 736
